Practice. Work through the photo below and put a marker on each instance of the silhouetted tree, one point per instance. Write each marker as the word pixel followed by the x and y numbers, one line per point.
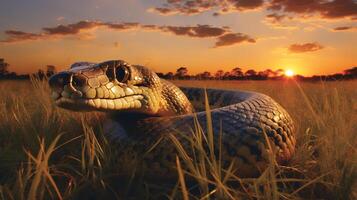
pixel 3 67
pixel 237 72
pixel 299 77
pixel 269 73
pixel 160 74
pixel 250 73
pixel 279 72
pixel 351 73
pixel 169 75
pixel 337 76
pixel 12 75
pixel 181 72
pixel 262 75
pixel 219 74
pixel 204 75
pixel 226 75
pixel 51 69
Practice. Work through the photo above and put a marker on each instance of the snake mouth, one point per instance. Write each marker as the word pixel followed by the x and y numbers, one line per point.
pixel 120 98
pixel 111 96
pixel 135 101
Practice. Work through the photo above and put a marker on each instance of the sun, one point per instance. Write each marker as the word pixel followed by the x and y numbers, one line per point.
pixel 289 73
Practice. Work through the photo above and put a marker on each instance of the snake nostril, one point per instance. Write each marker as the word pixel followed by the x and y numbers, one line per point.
pixel 78 81
pixel 110 73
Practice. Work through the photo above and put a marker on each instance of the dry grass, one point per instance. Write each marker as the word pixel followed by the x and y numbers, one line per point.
pixel 50 153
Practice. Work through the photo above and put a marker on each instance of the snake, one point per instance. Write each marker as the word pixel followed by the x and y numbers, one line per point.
pixel 145 112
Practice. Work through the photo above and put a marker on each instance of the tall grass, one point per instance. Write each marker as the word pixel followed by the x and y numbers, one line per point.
pixel 51 153
pixel 324 165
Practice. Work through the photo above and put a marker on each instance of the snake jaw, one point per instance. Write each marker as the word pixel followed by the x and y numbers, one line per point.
pixel 115 98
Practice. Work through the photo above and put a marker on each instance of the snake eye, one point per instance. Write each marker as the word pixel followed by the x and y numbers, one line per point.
pixel 122 74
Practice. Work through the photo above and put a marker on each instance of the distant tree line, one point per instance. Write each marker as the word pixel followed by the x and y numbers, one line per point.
pixel 238 74
pixel 6 74
pixel 182 74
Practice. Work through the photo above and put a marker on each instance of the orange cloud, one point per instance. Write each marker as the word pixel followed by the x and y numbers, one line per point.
pixel 306 47
pixel 345 28
pixel 223 35
pixel 122 26
pixel 71 29
pixel 14 36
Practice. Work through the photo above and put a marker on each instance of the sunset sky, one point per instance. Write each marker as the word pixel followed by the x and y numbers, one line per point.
pixel 306 36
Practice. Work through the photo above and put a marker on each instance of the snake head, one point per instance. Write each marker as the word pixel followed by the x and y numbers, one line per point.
pixel 108 86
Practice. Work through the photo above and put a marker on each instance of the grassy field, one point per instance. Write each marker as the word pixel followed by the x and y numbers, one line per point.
pixel 50 153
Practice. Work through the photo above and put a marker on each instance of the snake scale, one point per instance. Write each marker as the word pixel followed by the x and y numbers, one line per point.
pixel 145 110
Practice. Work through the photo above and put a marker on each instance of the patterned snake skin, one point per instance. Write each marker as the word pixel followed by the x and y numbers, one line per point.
pixel 145 110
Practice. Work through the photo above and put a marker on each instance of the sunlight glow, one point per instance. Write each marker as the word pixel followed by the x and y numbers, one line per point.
pixel 289 73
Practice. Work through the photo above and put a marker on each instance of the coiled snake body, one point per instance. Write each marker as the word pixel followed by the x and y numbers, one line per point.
pixel 145 110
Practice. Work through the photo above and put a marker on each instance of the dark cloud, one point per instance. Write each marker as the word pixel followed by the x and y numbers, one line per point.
pixel 195 31
pixel 233 38
pixel 223 35
pixel 65 30
pixel 163 11
pixel 190 7
pixel 247 4
pixel 327 9
pixel 339 8
pixel 276 21
pixel 71 29
pixel 306 47
pixel 149 27
pixel 15 36
pixel 275 18
pixel 345 28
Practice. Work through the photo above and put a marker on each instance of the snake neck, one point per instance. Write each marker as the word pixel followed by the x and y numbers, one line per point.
pixel 174 101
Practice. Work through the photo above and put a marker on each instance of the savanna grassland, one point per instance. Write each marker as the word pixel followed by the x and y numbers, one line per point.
pixel 51 153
